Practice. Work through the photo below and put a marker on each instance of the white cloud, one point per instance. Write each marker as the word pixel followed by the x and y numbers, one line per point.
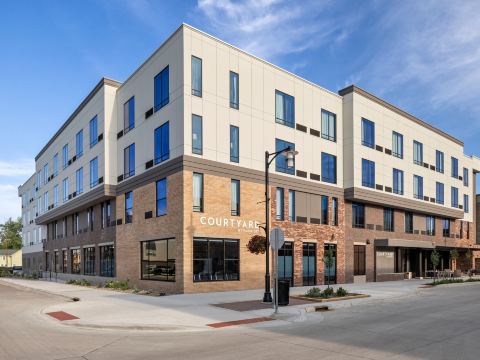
pixel 20 167
pixel 10 204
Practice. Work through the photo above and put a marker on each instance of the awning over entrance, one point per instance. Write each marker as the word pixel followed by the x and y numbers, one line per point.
pixel 404 243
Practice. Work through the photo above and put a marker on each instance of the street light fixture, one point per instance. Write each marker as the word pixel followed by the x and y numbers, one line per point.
pixel 269 157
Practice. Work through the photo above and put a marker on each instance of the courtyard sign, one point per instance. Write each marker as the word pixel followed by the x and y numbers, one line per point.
pixel 240 225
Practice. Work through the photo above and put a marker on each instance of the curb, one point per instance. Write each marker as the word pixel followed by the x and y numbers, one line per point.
pixel 28 288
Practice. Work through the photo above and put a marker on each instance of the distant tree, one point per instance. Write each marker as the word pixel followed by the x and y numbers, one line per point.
pixel 435 258
pixel 329 253
pixel 454 256
pixel 10 234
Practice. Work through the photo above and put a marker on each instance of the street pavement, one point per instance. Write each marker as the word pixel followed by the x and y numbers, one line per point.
pixel 434 323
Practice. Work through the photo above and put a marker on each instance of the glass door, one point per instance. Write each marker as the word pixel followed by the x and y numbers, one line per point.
pixel 309 263
pixel 285 262
pixel 330 272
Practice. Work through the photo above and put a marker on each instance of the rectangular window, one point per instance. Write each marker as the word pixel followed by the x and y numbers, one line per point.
pixel 398 181
pixel 359 260
pixel 129 115
pixel 417 152
pixel 129 161
pixel 358 215
pixel 65 156
pixel 65 261
pixel 55 165
pixel 162 143
pixel 128 207
pixel 368 173
pixel 468 230
pixel 418 187
pixel 79 144
pixel 89 261
pixel 93 127
pixel 234 90
pixel 161 89
pixel 91 215
pixel 79 179
pixel 107 261
pixel 430 225
pixel 196 76
pixel 329 125
pixel 329 168
pixel 324 209
pixel 197 192
pixel 281 159
pixel 93 172
pixel 408 222
pixel 158 259
pixel 334 211
pixel 234 144
pixel 446 227
pixel 279 204
pixel 102 215
pixel 45 174
pixel 291 205
pixel 65 189
pixel 439 161
pixel 368 133
pixel 465 203
pixel 285 261
pixel 55 196
pixel 162 197
pixel 388 215
pixel 235 197
pixel 45 201
pixel 216 259
pixel 454 197
pixel 75 259
pixel 465 177
pixel 397 145
pixel 439 194
pixel 454 167
pixel 197 135
pixel 284 109
pixel 109 213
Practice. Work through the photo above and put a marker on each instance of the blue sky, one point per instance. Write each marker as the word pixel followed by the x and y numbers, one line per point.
pixel 423 56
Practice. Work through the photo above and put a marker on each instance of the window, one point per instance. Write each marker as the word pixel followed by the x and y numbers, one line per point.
pixel 324 210
pixel 368 173
pixel 234 144
pixel 417 152
pixel 93 127
pixel 129 161
pixel 334 211
pixel 235 197
pixel 397 145
pixel 216 259
pixel 439 161
pixel 89 261
pixel 45 174
pixel 398 181
pixel 162 143
pixel 465 177
pixel 93 172
pixel 197 192
pixel 158 259
pixel 446 227
pixel 39 179
pixel 358 215
pixel 75 258
pixel 465 203
pixel 359 260
pixel 284 109
pixel 162 197
pixel 281 159
pixel 234 90
pixel 55 196
pixel 79 178
pixel 79 144
pixel 285 261
pixel 196 76
pixel 64 261
pixel 329 168
pixel 368 133
pixel 129 115
pixel 65 156
pixel 279 204
pixel 454 197
pixel 388 215
pixel 107 261
pixel 461 229
pixel 91 218
pixel 439 198
pixel 55 165
pixel 417 187
pixel 291 205
pixel 102 215
pixel 65 189
pixel 329 125
pixel 109 213
pixel 161 89
pixel 454 167
pixel 408 222
pixel 128 207
pixel 197 136
pixel 430 226
pixel 468 230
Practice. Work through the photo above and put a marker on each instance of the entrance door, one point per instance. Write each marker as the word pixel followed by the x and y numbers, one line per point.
pixel 309 263
pixel 285 262
pixel 330 273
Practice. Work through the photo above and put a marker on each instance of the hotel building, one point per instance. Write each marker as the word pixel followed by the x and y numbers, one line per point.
pixel 160 179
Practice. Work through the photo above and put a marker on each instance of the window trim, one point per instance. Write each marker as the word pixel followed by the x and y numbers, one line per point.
pixel 208 239
pixel 330 117
pixel 157 199
pixel 234 105
pixel 278 120
pixel 363 130
pixel 197 92
pixel 142 261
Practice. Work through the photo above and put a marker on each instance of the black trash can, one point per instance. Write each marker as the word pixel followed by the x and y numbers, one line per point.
pixel 283 292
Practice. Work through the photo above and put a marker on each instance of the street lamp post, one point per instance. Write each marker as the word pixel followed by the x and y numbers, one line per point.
pixel 269 157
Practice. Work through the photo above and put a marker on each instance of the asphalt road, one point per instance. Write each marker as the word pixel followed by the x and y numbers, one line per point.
pixel 440 323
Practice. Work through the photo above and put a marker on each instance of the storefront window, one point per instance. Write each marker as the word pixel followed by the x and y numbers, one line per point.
pixel 359 260
pixel 107 261
pixel 215 259
pixel 285 262
pixel 158 260
pixel 65 261
pixel 75 256
pixel 309 263
pixel 89 261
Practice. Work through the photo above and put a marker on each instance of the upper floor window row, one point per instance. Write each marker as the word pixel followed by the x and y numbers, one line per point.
pixel 129 115
pixel 397 144
pixel 329 125
pixel 196 76
pixel 368 133
pixel 417 152
pixel 93 127
pixel 79 144
pixel 284 109
pixel 161 89
pixel 162 143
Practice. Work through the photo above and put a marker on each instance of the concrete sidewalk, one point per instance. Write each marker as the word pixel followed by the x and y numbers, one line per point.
pixel 102 308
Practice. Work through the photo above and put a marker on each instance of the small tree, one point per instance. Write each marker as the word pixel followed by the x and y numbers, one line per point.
pixel 468 257
pixel 10 234
pixel 257 245
pixel 435 258
pixel 329 262
pixel 453 256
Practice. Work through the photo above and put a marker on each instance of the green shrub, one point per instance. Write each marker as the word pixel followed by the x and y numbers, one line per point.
pixel 117 284
pixel 82 282
pixel 314 292
pixel 341 292
pixel 328 292
pixel 472 280
pixel 446 281
pixel 4 272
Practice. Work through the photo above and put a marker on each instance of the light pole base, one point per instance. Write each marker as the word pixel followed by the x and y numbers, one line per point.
pixel 267 297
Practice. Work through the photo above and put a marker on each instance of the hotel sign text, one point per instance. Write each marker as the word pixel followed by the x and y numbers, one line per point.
pixel 240 225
